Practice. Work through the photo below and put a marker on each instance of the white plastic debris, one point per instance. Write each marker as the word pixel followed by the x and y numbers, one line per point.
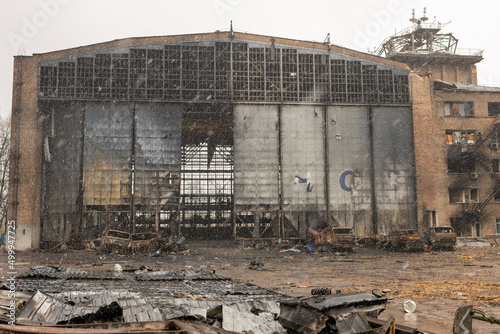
pixel 118 268
pixel 409 306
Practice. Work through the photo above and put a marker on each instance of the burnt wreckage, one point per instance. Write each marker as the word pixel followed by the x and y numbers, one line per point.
pixel 225 135
pixel 68 300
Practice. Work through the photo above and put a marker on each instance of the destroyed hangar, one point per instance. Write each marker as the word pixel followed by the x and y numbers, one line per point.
pixel 236 135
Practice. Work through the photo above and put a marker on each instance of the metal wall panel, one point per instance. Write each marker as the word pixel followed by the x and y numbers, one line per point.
pixel 62 150
pixel 107 153
pixel 303 166
pixel 256 157
pixel 349 167
pixel 394 168
pixel 157 154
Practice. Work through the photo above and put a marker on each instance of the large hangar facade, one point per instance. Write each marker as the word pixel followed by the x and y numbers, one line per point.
pixel 222 134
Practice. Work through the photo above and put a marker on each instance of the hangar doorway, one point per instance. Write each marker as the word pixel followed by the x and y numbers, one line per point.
pixel 207 171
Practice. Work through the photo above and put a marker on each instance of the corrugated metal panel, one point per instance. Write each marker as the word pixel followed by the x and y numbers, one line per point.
pixel 394 168
pixel 349 164
pixel 303 165
pixel 62 169
pixel 157 153
pixel 107 153
pixel 256 157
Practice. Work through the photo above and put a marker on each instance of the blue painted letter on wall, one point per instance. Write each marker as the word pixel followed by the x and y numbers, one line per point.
pixel 342 179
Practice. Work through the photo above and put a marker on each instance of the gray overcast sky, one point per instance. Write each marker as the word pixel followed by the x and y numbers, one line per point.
pixel 38 26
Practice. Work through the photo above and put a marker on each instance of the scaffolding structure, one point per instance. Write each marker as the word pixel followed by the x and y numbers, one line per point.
pixel 422 38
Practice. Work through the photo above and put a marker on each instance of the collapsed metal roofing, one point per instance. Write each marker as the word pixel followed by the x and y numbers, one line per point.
pixel 464 87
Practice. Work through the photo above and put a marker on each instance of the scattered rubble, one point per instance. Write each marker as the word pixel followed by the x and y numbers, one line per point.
pixel 68 300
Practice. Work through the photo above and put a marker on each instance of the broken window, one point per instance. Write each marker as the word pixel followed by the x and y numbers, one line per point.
pixel 495 140
pixel 497 197
pixel 493 108
pixel 463 195
pixel 498 226
pixel 495 166
pixel 431 217
pixel 443 230
pixel 459 109
pixel 462 163
pixel 454 137
pixel 478 229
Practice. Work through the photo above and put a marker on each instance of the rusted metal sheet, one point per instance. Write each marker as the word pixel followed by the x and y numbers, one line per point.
pixel 157 156
pixel 61 160
pixel 342 313
pixel 255 156
pixel 303 166
pixel 89 297
pixel 394 169
pixel 160 327
pixel 350 168
pixel 108 148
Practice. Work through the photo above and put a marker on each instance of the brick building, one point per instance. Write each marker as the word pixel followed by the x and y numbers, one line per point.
pixel 456 131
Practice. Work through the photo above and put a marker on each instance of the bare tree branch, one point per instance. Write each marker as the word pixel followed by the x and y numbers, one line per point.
pixel 4 168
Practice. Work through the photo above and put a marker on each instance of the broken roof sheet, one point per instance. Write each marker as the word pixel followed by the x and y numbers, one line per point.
pixel 456 86
pixel 142 296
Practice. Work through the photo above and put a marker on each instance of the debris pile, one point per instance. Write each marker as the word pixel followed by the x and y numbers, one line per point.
pixel 64 296
pixel 337 313
pixel 191 301
pixel 140 243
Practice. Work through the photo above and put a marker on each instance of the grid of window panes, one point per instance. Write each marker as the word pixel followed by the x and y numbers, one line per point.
pixel 225 71
pixel 207 181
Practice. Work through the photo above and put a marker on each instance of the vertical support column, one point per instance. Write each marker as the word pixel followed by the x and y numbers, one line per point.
pixel 280 176
pixel 393 88
pixel 157 203
pixel 106 220
pixel 15 144
pixel 132 169
pixel 346 81
pixel 231 67
pixel 248 72
pixel 27 150
pixel 256 224
pixel 265 73
pixel 372 176
pixel 181 83
pixel 297 77
pixel 281 73
pixel 330 86
pixel 234 178
pixel 327 165
pixel 80 202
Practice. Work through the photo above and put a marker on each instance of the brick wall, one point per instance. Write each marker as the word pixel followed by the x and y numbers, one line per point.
pixel 26 152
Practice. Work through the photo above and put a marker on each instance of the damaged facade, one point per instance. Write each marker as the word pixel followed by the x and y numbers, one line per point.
pixel 456 131
pixel 221 134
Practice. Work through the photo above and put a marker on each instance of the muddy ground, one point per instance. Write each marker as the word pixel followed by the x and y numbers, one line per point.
pixel 439 282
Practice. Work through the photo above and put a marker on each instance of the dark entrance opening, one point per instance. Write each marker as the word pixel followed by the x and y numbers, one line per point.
pixel 207 171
